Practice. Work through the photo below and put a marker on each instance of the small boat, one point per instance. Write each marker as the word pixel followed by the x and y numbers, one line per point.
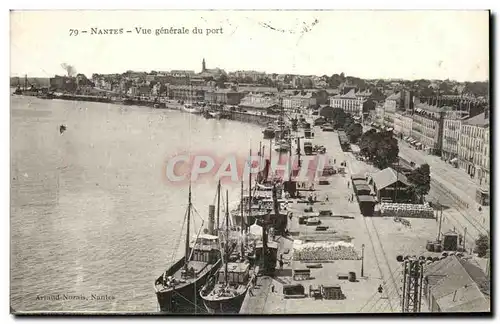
pixel 207 114
pixel 215 114
pixel 269 132
pixel 192 109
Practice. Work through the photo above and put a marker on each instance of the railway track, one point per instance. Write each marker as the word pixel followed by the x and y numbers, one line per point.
pixel 459 219
pixel 460 206
pixel 382 261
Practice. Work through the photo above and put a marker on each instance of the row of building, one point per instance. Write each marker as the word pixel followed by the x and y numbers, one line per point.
pixel 459 133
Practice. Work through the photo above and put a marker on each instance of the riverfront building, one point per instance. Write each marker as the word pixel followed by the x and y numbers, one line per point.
pixel 299 101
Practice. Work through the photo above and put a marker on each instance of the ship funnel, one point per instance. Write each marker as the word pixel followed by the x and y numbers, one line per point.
pixel 211 219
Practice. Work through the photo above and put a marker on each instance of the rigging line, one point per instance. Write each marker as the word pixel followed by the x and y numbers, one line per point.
pixel 378 300
pixel 174 251
pixel 370 299
pixel 382 304
pixel 197 213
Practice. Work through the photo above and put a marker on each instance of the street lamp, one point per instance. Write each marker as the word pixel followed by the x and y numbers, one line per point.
pixel 362 259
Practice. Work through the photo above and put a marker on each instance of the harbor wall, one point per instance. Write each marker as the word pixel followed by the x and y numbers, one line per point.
pixel 246 117
pixel 252 118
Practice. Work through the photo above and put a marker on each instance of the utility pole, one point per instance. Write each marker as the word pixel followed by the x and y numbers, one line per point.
pixel 362 260
pixel 465 233
pixel 440 222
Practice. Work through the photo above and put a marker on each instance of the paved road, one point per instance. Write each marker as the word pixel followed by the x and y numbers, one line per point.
pixel 453 183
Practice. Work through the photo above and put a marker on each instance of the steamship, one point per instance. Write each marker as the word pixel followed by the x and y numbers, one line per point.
pixel 178 287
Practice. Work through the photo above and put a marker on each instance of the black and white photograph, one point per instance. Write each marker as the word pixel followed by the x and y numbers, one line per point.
pixel 250 162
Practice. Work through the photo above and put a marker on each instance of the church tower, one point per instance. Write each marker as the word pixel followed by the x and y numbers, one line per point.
pixel 203 66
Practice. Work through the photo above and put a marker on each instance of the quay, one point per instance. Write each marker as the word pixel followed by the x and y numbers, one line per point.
pixel 253 117
pixel 267 296
pixel 378 240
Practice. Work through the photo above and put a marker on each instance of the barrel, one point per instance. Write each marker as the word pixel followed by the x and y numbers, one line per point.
pixel 352 276
pixel 438 247
pixel 430 247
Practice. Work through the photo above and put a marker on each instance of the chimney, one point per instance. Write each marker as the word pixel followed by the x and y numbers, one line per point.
pixel 211 219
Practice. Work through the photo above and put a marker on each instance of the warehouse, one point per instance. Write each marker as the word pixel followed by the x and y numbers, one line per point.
pixel 390 185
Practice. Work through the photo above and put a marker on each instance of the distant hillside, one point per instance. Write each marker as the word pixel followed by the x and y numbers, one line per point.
pixel 39 82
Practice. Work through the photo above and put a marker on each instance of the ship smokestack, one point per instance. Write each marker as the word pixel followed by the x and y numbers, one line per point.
pixel 211 219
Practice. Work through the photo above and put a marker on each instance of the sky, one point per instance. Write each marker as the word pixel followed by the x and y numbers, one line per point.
pixel 368 44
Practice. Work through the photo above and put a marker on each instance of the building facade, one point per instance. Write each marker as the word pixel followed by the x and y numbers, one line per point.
pixel 427 128
pixel 223 96
pixel 187 93
pixel 474 154
pixel 379 115
pixel 451 138
pixel 402 124
pixel 299 101
pixel 349 102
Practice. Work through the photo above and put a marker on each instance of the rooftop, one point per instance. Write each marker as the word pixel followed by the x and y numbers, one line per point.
pixel 458 285
pixel 387 177
pixel 478 120
pixel 350 95
pixel 395 96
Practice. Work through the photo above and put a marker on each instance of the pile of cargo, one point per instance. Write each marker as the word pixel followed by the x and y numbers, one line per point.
pixel 323 251
pixel 406 210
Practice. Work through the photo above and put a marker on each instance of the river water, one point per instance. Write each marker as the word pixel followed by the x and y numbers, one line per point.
pixel 91 212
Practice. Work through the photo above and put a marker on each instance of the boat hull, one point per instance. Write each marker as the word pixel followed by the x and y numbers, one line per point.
pixel 225 306
pixel 185 298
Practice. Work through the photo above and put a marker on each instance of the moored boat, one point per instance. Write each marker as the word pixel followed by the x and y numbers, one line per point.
pixel 269 132
pixel 178 287
pixel 225 292
pixel 192 109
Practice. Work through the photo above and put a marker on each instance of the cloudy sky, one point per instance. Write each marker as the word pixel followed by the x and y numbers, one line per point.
pixel 367 44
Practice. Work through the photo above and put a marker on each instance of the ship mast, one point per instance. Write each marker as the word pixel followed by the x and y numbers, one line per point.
pixel 242 222
pixel 226 256
pixel 186 258
pixel 249 187
pixel 218 205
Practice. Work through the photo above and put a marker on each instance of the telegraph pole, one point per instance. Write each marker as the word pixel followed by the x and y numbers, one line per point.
pixel 440 222
pixel 362 259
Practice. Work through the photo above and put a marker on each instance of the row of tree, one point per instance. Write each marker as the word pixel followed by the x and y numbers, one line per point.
pixel 339 119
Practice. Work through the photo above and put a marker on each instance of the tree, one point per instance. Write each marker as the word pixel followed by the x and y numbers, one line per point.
pixel 221 80
pixel 348 121
pixel 307 83
pixel 338 118
pixel 387 150
pixel 421 180
pixel 334 81
pixel 379 147
pixel 367 145
pixel 482 246
pixel 354 132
